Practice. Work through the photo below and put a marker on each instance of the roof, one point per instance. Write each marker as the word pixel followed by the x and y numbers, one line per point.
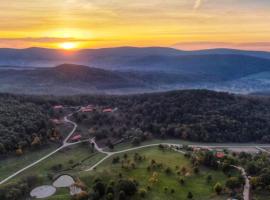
pixel 56 121
pixel 107 110
pixel 76 137
pixel 87 109
pixel 58 107
pixel 220 155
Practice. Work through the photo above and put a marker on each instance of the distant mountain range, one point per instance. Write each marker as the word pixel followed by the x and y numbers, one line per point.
pixel 129 69
pixel 105 57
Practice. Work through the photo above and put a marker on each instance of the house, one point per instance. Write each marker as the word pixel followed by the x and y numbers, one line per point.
pixel 76 138
pixel 107 110
pixel 56 121
pixel 57 107
pixel 220 154
pixel 89 106
pixel 86 109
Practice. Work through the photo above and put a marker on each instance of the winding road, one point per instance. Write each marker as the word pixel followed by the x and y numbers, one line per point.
pixel 246 191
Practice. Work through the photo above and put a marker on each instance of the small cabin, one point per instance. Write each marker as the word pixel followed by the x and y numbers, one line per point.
pixel 57 107
pixel 76 138
pixel 107 110
pixel 220 154
pixel 56 121
pixel 85 110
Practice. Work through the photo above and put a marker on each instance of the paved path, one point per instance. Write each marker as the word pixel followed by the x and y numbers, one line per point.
pixel 262 150
pixel 65 144
pixel 246 191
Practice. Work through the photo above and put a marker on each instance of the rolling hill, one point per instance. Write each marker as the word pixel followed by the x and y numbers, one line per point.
pixel 129 69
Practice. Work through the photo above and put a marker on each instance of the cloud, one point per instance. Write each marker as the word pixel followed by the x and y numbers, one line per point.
pixel 197 4
pixel 263 46
pixel 43 39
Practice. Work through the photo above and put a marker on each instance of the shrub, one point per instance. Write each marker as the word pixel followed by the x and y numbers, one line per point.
pixel 218 188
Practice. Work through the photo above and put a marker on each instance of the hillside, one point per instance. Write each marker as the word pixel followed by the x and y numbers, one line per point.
pixel 196 115
pixel 132 70
pixel 106 57
pixel 63 79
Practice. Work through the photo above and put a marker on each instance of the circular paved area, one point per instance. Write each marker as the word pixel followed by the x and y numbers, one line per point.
pixel 43 191
pixel 63 181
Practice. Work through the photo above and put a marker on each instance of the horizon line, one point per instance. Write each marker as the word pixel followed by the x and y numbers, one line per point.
pixel 139 47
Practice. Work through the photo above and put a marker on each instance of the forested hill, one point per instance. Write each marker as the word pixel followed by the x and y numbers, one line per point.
pixel 197 115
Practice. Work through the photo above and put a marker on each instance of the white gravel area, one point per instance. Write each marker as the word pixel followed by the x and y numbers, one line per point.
pixel 43 191
pixel 63 181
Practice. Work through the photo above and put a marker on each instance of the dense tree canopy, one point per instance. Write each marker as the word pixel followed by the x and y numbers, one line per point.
pixel 22 123
pixel 197 115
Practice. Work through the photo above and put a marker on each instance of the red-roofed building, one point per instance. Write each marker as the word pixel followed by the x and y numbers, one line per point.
pixel 56 121
pixel 107 110
pixel 87 109
pixel 76 138
pixel 58 107
pixel 220 154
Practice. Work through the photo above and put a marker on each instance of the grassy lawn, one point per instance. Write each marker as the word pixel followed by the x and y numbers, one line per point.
pixel 15 163
pixel 194 183
pixel 72 159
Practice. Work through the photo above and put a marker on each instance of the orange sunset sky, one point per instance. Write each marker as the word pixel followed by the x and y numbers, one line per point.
pixel 184 24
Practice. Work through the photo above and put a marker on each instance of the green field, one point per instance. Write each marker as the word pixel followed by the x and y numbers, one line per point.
pixel 72 159
pixel 194 183
pixel 15 163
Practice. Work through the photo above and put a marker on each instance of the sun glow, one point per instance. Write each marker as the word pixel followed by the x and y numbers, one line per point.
pixel 68 45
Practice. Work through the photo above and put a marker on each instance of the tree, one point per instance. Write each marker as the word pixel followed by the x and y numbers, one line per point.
pixel 109 196
pixel 196 170
pixel 136 141
pixel 100 188
pixel 142 193
pixel 218 188
pixel 128 186
pixel 122 195
pixel 233 183
pixel 168 170
pixel 190 195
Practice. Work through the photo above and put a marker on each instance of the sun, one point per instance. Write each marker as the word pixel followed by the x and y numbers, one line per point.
pixel 67 45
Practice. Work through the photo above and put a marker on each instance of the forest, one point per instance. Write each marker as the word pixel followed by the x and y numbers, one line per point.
pixel 23 124
pixel 196 115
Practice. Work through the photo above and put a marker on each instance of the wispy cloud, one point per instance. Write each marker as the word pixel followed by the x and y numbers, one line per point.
pixel 197 4
pixel 264 46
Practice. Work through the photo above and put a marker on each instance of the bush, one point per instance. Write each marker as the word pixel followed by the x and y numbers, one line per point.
pixel 218 188
pixel 190 195
pixel 142 193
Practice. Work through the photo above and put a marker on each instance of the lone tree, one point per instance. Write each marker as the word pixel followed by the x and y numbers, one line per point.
pixel 218 188
pixel 122 195
pixel 190 195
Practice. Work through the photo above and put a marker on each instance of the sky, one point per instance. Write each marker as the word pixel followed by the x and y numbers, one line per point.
pixel 183 24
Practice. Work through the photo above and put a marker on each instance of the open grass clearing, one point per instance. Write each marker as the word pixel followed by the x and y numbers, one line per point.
pixel 195 183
